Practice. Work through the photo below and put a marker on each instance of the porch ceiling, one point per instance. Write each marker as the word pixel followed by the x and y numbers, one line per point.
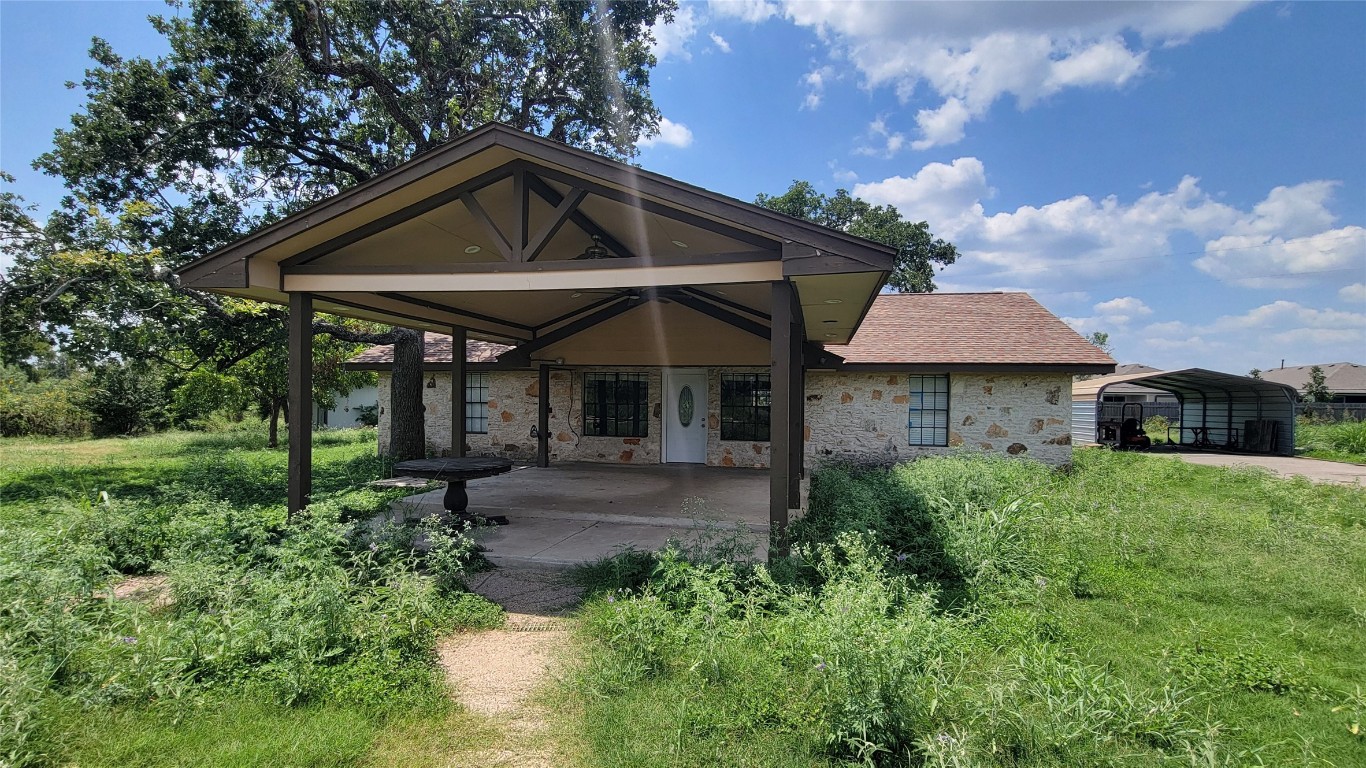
pixel 484 233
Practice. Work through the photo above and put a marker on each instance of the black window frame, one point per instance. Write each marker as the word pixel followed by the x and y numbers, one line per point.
pixel 616 404
pixel 746 407
pixel 477 410
pixel 938 426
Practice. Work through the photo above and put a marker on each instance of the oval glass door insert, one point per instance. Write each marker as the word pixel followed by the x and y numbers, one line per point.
pixel 685 406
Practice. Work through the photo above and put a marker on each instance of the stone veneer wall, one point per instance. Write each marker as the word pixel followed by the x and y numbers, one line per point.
pixel 864 415
pixel 847 415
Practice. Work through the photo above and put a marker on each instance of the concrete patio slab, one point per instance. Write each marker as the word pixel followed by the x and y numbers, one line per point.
pixel 568 514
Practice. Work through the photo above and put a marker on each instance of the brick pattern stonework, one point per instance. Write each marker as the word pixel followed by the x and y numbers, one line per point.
pixel 859 415
pixel 863 415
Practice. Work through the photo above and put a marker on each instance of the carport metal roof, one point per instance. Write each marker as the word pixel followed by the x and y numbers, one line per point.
pixel 1188 381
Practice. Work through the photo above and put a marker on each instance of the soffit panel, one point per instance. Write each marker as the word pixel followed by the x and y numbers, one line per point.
pixel 833 305
pixel 383 205
pixel 660 333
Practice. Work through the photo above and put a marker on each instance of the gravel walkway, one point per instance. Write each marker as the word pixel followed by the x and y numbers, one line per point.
pixel 498 672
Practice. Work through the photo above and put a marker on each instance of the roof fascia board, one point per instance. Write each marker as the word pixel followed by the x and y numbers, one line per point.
pixel 638 275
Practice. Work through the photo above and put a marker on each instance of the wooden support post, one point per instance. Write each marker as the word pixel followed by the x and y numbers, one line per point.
pixel 543 416
pixel 784 413
pixel 300 401
pixel 458 336
pixel 797 395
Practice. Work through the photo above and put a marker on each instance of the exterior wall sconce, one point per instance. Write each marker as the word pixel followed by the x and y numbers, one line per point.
pixel 431 383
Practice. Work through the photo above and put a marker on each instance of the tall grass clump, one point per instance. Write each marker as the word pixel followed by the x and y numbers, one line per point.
pixel 238 602
pixel 976 611
pixel 1342 440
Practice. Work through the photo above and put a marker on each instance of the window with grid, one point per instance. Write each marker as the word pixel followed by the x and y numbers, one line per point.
pixel 476 403
pixel 928 421
pixel 616 404
pixel 745 399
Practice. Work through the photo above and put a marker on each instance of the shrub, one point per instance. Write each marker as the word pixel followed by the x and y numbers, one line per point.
pixel 1156 427
pixel 126 399
pixel 48 408
pixel 206 393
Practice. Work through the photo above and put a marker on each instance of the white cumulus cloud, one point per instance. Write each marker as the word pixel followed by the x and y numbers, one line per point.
pixel 672 39
pixel 670 134
pixel 1289 239
pixel 752 11
pixel 719 42
pixel 967 56
pixel 1356 292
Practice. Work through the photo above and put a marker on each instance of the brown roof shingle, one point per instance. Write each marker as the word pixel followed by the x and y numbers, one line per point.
pixel 967 329
pixel 437 350
pixel 979 329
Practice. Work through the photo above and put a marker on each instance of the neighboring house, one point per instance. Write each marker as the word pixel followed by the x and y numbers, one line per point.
pixel 924 374
pixel 1135 393
pixel 1155 402
pixel 348 409
pixel 1347 381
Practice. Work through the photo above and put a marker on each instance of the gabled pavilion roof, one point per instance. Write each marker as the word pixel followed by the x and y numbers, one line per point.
pixel 490 230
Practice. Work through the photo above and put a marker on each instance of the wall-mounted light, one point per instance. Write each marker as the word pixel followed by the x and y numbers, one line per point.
pixel 431 383
pixel 472 249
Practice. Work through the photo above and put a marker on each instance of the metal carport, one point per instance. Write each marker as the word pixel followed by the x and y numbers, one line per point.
pixel 1217 409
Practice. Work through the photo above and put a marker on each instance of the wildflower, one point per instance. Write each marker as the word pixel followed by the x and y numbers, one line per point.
pixel 130 640
pixel 1041 582
pixel 901 557
pixel 944 738
pixel 820 667
pixel 611 598
pixel 374 547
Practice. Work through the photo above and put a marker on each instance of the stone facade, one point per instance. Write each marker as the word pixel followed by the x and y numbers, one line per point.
pixel 864 415
pixel 857 415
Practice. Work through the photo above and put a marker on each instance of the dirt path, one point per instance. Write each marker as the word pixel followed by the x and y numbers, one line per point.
pixel 497 673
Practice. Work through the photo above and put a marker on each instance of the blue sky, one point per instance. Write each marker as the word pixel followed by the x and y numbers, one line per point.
pixel 1190 178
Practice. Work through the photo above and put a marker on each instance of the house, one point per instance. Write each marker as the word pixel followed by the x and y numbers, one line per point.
pixel 353 409
pixel 923 374
pixel 638 304
pixel 1347 381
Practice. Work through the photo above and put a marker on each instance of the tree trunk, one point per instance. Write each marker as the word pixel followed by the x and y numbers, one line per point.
pixel 274 424
pixel 407 422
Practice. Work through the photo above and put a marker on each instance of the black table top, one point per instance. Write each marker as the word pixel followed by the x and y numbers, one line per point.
pixel 453 468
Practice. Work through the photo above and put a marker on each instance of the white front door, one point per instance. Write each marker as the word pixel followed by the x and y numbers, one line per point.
pixel 685 416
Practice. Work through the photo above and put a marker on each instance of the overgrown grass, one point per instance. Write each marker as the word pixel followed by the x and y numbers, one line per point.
pixel 1334 441
pixel 308 638
pixel 972 611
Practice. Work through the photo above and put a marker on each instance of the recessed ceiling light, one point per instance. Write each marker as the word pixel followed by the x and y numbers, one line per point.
pixel 829 322
pixel 680 243
pixel 829 335
pixel 575 295
pixel 721 293
pixel 473 249
pixel 834 301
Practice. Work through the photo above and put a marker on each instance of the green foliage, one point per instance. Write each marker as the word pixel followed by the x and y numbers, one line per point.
pixel 918 252
pixel 367 415
pixel 205 393
pixel 1316 389
pixel 1156 427
pixel 322 610
pixel 1340 440
pixel 126 398
pixel 50 407
pixel 974 611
